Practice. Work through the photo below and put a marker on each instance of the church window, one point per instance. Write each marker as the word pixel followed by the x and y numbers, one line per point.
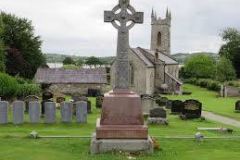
pixel 131 74
pixel 159 39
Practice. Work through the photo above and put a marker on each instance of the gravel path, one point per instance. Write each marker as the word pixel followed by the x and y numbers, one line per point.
pixel 221 119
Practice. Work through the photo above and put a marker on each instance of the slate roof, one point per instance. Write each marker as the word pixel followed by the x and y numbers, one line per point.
pixel 147 56
pixel 86 76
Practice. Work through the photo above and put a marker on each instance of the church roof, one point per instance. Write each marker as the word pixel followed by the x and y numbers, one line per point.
pixel 147 56
pixel 65 76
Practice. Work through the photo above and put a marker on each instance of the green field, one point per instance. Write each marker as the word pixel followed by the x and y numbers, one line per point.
pixel 211 101
pixel 16 144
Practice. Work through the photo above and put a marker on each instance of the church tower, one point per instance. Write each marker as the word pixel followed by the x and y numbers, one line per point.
pixel 161 33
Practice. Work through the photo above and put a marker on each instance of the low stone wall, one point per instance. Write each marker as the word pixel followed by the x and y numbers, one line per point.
pixel 77 89
pixel 229 91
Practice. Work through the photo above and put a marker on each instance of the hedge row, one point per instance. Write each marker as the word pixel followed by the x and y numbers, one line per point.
pixel 11 87
pixel 205 83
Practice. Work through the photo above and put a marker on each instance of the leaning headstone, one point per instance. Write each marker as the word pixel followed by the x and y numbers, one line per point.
pixel 191 109
pixel 66 112
pixel 158 116
pixel 50 112
pixel 162 101
pixel 34 112
pixel 3 112
pixel 18 112
pixel 177 107
pixel 81 112
pixel 148 103
pixel 237 106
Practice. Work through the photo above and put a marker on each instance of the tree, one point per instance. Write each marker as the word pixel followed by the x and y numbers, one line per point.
pixel 225 70
pixel 2 53
pixel 19 38
pixel 93 61
pixel 80 62
pixel 199 66
pixel 68 60
pixel 230 50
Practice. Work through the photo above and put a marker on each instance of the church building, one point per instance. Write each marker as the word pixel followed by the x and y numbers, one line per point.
pixel 154 70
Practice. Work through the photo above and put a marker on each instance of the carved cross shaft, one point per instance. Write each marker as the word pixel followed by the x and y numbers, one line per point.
pixel 127 14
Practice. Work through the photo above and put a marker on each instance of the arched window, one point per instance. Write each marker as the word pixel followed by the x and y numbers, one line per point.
pixel 131 74
pixel 159 39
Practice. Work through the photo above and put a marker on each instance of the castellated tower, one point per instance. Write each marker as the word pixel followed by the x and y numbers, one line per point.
pixel 161 33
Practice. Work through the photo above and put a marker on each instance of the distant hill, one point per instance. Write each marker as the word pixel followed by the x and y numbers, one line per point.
pixel 183 57
pixel 180 57
pixel 58 58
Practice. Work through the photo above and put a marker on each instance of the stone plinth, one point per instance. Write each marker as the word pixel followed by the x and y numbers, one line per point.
pixel 121 117
pixel 125 145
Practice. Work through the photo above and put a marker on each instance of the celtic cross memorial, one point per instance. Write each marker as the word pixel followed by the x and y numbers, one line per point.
pixel 123 17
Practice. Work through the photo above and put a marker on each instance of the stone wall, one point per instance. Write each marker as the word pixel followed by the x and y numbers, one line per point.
pixel 229 91
pixel 77 89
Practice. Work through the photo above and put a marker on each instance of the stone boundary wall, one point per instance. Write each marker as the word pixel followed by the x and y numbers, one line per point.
pixel 229 91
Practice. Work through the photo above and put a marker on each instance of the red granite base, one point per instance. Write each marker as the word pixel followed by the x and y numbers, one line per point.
pixel 121 117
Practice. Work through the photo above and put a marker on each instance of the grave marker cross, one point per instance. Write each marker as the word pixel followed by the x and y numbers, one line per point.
pixel 127 14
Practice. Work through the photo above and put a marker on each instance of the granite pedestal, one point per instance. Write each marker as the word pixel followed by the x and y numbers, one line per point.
pixel 121 126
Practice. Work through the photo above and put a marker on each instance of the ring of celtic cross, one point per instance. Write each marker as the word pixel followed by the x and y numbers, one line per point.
pixel 123 17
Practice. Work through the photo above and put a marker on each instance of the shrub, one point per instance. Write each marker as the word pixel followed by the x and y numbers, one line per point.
pixel 28 89
pixel 205 83
pixel 8 86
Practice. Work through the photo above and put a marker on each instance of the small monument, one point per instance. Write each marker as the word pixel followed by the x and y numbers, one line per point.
pixel 191 109
pixel 158 116
pixel 121 127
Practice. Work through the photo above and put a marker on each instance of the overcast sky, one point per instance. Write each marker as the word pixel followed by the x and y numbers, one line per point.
pixel 76 27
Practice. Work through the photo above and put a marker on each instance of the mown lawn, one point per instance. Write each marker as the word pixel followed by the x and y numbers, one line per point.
pixel 211 101
pixel 16 144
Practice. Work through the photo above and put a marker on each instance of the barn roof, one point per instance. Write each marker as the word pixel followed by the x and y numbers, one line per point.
pixel 87 76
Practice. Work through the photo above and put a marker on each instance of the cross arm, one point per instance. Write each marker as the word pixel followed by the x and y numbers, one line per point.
pixel 109 16
pixel 137 17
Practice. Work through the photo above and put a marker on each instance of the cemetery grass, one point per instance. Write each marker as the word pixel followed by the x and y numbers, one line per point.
pixel 16 144
pixel 211 101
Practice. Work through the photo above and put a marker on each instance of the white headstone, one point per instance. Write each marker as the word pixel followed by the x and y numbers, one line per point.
pixel 50 112
pixel 18 112
pixel 81 112
pixel 66 112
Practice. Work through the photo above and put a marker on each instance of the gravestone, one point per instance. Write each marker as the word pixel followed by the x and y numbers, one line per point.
pixel 3 112
pixel 89 106
pixel 157 116
pixel 30 98
pixel 162 101
pixel 46 97
pixel 191 109
pixel 66 112
pixel 237 106
pixel 81 112
pixel 121 127
pixel 148 103
pixel 50 112
pixel 177 107
pixel 99 101
pixel 18 112
pixel 34 112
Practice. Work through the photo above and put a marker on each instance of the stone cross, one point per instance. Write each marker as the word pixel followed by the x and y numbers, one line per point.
pixel 123 21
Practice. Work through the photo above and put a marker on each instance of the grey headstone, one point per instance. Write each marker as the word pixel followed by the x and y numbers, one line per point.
pixel 18 112
pixel 158 113
pixel 148 103
pixel 3 112
pixel 34 112
pixel 50 112
pixel 81 112
pixel 66 112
